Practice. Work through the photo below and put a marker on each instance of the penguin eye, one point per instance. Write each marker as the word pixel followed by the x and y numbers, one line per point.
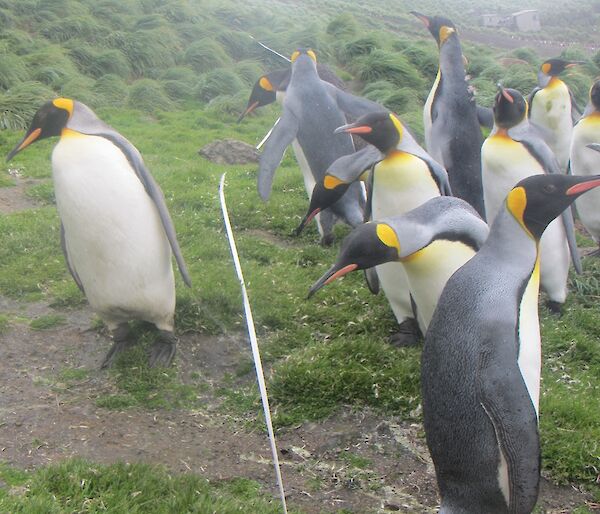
pixel 549 188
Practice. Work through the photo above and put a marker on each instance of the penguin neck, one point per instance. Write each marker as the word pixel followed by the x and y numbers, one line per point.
pixel 304 67
pixel 451 59
pixel 510 240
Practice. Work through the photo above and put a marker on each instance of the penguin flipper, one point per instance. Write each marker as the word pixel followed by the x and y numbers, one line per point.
pixel 538 148
pixel 372 280
pixel 155 193
pixel 568 223
pixel 485 117
pixel 439 174
pixel 576 111
pixel 506 401
pixel 349 168
pixel 63 245
pixel 351 105
pixel 281 137
pixel 530 99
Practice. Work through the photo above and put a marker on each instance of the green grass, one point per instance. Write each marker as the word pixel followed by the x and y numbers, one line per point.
pixel 81 486
pixel 324 354
pixel 47 322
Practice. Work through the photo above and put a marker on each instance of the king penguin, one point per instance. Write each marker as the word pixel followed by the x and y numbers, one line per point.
pixel 309 116
pixel 452 133
pixel 400 182
pixel 512 152
pixel 116 232
pixel 431 242
pixel 552 107
pixel 584 161
pixel 480 366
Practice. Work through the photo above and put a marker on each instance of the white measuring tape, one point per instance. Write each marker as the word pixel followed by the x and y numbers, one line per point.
pixel 253 343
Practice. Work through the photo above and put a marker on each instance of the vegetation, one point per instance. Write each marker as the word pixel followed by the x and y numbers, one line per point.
pixel 173 77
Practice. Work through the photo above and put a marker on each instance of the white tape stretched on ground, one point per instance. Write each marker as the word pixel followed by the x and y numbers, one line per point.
pixel 253 343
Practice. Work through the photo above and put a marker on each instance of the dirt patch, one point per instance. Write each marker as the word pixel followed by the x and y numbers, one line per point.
pixel 14 198
pixel 358 461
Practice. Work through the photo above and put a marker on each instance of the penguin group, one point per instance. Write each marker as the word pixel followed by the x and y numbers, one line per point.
pixel 470 287
pixel 459 235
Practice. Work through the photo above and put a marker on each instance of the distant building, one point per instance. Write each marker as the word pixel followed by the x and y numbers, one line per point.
pixel 526 21
pixel 522 21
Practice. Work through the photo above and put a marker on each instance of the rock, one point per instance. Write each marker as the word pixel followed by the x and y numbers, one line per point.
pixel 229 151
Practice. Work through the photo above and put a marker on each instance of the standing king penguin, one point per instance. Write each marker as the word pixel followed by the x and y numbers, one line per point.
pixel 116 232
pixel 512 152
pixel 404 179
pixel 480 366
pixel 431 242
pixel 584 161
pixel 452 133
pixel 552 107
pixel 309 117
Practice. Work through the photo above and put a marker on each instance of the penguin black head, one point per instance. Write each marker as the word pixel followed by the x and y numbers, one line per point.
pixel 265 90
pixel 510 108
pixel 304 51
pixel 537 200
pixel 325 193
pixel 441 28
pixel 595 95
pixel 381 129
pixel 366 246
pixel 48 121
pixel 554 67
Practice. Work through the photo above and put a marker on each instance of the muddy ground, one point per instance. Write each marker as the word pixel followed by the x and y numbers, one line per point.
pixel 359 461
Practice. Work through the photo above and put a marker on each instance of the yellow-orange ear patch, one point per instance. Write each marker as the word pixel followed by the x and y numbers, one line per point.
pixel 516 202
pixel 397 123
pixel 64 103
pixel 295 56
pixel 546 67
pixel 387 236
pixel 265 84
pixel 312 55
pixel 331 182
pixel 445 33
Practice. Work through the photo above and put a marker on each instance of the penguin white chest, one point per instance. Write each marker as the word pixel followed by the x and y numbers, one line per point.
pixel 530 348
pixel 114 236
pixel 503 163
pixel 401 183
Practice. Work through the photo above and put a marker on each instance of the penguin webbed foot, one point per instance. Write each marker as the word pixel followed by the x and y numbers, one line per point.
pixel 554 307
pixel 121 343
pixel 595 253
pixel 409 334
pixel 163 350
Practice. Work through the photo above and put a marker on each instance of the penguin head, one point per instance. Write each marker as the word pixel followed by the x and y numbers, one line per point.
pixel 326 192
pixel 265 90
pixel 366 246
pixel 441 28
pixel 554 67
pixel 48 121
pixel 381 129
pixel 304 51
pixel 510 108
pixel 538 199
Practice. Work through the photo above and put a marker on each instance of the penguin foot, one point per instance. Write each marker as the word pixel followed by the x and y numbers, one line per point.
pixel 327 240
pixel 409 334
pixel 121 343
pixel 554 307
pixel 163 350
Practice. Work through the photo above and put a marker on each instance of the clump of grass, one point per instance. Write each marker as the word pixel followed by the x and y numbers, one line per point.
pixel 221 81
pixel 111 90
pixel 4 323
pixel 423 57
pixel 97 63
pixel 384 65
pixel 43 193
pixel 47 322
pixel 83 27
pixel 13 71
pixel 205 55
pixel 179 83
pixel 19 104
pixel 148 95
pixel 249 71
pixel 232 105
pixel 343 26
pixel 237 44
pixel 357 48
pixel 81 88
pixel 83 486
pixel 17 41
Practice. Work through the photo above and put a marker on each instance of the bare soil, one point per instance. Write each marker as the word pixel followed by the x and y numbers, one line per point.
pixel 14 199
